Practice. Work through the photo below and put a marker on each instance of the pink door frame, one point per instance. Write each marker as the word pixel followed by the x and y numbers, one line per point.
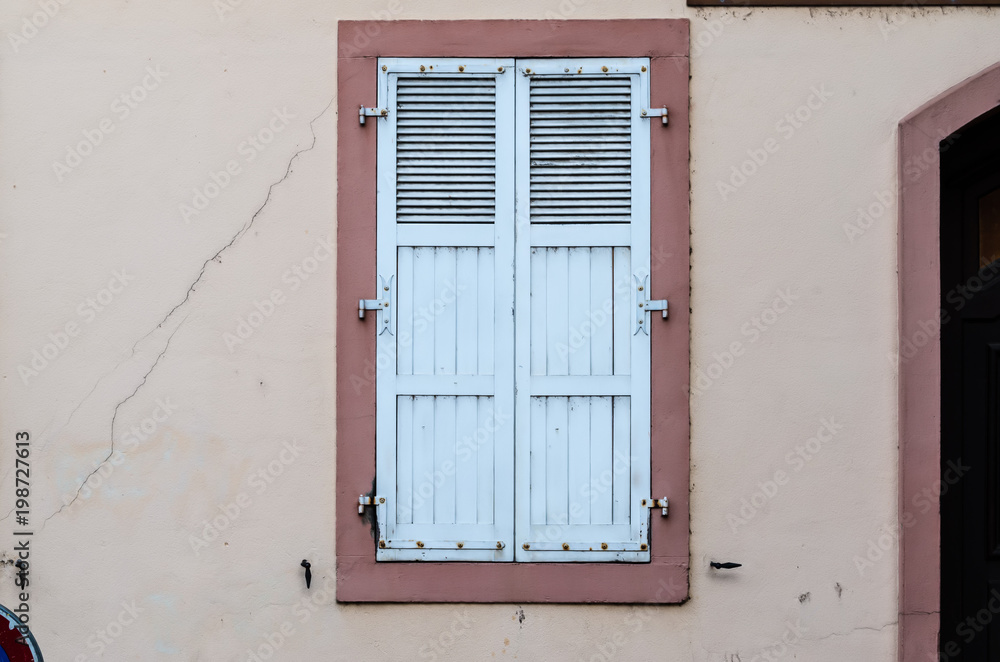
pixel 919 354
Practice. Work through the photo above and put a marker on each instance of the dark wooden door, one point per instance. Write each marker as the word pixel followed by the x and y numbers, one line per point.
pixel 970 394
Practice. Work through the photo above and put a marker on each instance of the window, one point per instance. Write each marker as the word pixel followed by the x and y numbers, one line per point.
pixel 514 260
pixel 513 424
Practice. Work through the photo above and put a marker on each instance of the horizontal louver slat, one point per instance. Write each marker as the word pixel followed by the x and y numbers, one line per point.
pixel 581 149
pixel 445 149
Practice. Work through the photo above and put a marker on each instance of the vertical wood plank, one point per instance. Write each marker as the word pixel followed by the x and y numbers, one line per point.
pixel 538 315
pixel 484 453
pixel 556 461
pixel 557 312
pixel 601 319
pixel 444 459
pixel 443 308
pixel 622 463
pixel 466 460
pixel 404 311
pixel 485 308
pixel 539 451
pixel 601 452
pixel 423 323
pixel 423 459
pixel 404 459
pixel 578 458
pixel 577 309
pixel 623 311
pixel 466 311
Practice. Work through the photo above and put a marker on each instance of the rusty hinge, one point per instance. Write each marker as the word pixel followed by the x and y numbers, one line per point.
pixel 365 500
pixel 364 112
pixel 663 504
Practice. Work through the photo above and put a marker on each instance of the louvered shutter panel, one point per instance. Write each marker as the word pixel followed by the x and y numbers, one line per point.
pixel 582 403
pixel 444 382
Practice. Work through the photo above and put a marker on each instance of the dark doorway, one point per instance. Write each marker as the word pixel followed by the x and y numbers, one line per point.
pixel 970 392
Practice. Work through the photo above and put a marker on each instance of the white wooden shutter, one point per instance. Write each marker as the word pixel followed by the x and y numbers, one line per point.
pixel 582 403
pixel 444 383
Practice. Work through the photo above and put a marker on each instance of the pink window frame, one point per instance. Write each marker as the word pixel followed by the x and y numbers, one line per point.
pixel 359 577
pixel 920 373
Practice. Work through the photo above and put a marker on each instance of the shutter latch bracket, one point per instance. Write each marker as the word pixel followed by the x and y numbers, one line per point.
pixel 650 113
pixel 364 112
pixel 644 304
pixel 663 504
pixel 383 304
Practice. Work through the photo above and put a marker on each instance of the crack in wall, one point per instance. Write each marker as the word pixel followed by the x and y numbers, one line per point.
pixel 243 230
pixel 114 418
pixel 215 258
pixel 187 297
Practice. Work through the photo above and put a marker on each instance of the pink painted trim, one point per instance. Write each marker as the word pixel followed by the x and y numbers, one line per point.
pixel 920 374
pixel 359 577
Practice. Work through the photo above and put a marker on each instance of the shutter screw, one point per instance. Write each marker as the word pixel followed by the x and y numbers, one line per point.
pixel 382 500
pixel 604 545
pixel 386 288
pixel 566 70
pixel 526 546
pixel 644 69
pixel 643 547
pixel 500 69
pixel 604 69
pixel 640 287
pixel 381 543
pixel 499 545
pixel 527 71
pixel 461 545
pixel 385 68
pixel 461 68
pixel 420 543
pixel 422 68
pixel 644 502
pixel 566 546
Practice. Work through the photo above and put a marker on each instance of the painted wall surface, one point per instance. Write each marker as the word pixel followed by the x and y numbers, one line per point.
pixel 167 290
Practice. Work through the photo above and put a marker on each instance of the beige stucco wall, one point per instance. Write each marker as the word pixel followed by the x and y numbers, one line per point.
pixel 266 402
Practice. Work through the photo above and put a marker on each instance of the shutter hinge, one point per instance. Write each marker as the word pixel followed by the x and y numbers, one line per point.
pixel 644 304
pixel 364 112
pixel 384 305
pixel 663 504
pixel 364 500
pixel 650 113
